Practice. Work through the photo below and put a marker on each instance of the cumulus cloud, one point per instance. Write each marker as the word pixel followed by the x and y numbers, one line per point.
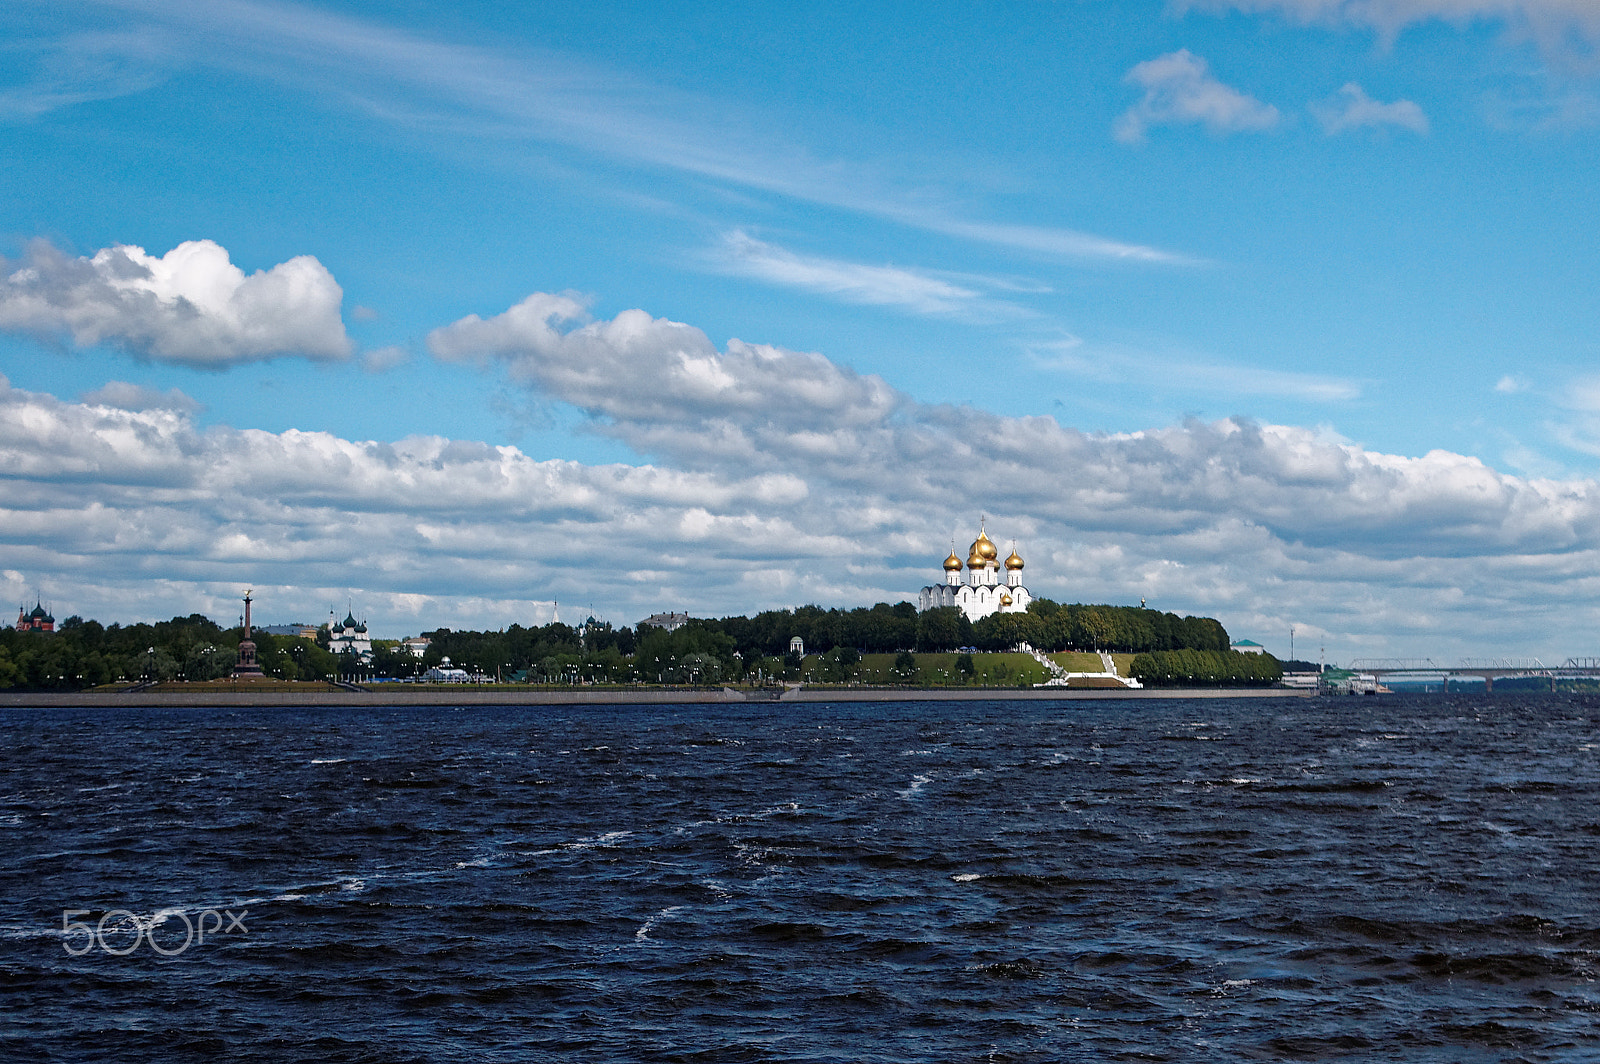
pixel 1228 515
pixel 1179 89
pixel 191 306
pixel 1351 108
pixel 126 396
pixel 663 384
pixel 780 477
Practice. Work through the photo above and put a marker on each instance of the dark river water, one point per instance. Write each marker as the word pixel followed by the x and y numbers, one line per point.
pixel 1409 879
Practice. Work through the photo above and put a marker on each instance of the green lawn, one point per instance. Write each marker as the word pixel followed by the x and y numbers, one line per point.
pixel 1088 661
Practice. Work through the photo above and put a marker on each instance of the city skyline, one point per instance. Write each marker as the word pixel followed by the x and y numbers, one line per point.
pixel 1276 311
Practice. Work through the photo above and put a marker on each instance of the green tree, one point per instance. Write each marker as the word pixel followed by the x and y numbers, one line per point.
pixel 965 668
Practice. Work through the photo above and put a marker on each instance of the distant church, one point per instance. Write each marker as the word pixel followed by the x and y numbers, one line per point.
pixel 982 593
pixel 37 621
pixel 349 635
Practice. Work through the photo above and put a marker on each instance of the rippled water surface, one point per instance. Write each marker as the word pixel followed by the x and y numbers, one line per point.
pixel 1403 879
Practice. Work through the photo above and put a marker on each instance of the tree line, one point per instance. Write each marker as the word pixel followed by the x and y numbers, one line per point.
pixel 84 653
pixel 1204 668
pixel 710 650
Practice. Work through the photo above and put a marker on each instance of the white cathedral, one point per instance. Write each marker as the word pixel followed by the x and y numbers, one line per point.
pixel 981 594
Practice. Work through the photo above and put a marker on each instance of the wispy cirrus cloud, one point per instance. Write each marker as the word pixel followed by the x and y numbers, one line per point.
pixel 1351 109
pixel 1198 375
pixel 526 95
pixel 1179 89
pixel 48 73
pixel 909 290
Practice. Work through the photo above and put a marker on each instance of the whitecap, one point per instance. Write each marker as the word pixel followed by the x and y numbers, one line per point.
pixel 643 933
pixel 917 783
pixel 966 877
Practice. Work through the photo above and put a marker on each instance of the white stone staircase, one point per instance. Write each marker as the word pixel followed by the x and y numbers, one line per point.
pixel 1059 676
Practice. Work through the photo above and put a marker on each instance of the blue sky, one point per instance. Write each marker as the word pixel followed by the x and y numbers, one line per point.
pixel 1292 301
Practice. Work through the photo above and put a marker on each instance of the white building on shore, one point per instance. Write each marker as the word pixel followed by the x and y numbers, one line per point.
pixel 349 636
pixel 981 593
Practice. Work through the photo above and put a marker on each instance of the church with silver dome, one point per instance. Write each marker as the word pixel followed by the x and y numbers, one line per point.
pixel 980 593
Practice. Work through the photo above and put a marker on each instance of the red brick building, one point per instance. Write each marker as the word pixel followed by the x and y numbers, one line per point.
pixel 37 621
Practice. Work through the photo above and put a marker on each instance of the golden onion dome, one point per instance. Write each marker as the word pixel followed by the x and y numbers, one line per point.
pixel 1014 563
pixel 983 549
pixel 1005 598
pixel 952 564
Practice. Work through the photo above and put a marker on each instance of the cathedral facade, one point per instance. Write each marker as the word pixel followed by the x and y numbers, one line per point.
pixel 981 592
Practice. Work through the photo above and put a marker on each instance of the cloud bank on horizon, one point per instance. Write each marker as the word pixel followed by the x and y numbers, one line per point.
pixel 1199 305
pixel 779 478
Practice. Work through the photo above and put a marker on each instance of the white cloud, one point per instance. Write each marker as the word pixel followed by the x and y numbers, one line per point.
pixel 1179 89
pixel 659 383
pixel 1510 385
pixel 780 478
pixel 1199 375
pixel 914 291
pixel 191 306
pixel 1542 106
pixel 125 396
pixel 383 359
pixel 1557 24
pixel 82 67
pixel 1582 393
pixel 1351 108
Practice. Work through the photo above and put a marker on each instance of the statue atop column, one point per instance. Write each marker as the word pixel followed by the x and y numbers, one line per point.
pixel 247 669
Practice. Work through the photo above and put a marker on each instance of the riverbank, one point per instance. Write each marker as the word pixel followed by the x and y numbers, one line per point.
pixel 244 695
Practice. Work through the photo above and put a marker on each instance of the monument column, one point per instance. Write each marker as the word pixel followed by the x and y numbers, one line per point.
pixel 247 669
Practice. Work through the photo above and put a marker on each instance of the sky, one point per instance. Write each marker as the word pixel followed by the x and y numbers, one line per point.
pixel 1278 311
